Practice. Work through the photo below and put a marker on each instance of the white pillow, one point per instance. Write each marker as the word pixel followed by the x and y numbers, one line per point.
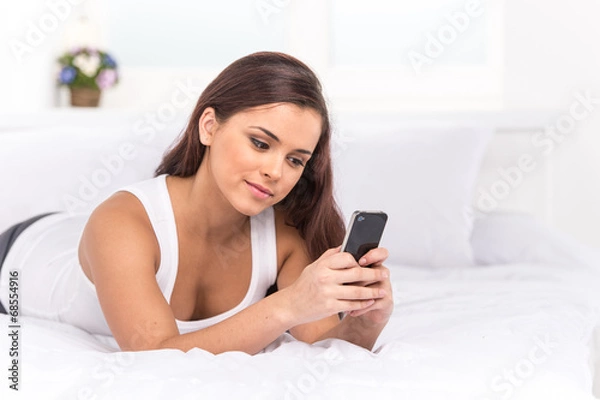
pixel 72 164
pixel 506 237
pixel 422 175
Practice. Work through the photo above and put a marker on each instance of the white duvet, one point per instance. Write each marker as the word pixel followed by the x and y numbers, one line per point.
pixel 516 331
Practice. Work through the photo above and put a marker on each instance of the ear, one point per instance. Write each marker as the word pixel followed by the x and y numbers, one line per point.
pixel 207 126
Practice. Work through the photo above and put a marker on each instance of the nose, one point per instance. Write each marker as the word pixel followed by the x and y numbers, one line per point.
pixel 273 167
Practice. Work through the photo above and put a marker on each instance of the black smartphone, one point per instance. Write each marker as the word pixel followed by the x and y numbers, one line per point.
pixel 364 232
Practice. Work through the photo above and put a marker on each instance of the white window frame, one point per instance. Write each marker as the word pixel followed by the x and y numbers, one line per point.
pixel 385 89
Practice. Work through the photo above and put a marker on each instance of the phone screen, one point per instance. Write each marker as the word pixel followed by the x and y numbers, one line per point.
pixel 364 233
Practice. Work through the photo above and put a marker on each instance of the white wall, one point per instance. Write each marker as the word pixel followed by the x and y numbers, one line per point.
pixel 542 53
pixel 26 77
pixel 551 53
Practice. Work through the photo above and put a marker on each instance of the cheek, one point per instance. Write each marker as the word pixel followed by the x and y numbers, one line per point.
pixel 290 181
pixel 242 159
pixel 229 159
pixel 293 178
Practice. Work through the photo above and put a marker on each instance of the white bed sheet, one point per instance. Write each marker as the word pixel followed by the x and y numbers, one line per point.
pixel 454 334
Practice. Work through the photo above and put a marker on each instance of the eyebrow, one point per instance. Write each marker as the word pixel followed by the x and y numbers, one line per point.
pixel 272 135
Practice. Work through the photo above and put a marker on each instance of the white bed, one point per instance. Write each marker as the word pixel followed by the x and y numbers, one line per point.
pixel 516 315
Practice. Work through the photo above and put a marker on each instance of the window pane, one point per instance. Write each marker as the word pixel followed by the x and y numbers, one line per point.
pixel 383 32
pixel 187 33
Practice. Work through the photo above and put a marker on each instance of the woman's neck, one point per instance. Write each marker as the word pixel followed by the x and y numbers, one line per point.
pixel 202 211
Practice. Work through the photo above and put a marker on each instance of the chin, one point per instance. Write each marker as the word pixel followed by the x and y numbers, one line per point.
pixel 249 209
pixel 245 203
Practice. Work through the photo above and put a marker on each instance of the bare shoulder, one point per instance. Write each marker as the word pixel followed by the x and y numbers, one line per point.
pixel 292 252
pixel 121 204
pixel 289 239
pixel 118 225
pixel 119 251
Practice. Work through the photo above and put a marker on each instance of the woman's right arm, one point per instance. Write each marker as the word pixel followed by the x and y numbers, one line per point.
pixel 120 249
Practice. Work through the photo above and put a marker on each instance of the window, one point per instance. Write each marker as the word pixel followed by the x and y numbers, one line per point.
pixel 418 55
pixel 189 33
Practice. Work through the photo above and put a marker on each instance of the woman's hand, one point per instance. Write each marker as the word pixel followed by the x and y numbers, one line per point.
pixel 380 311
pixel 325 288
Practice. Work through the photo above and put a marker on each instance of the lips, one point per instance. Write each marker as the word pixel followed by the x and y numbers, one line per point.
pixel 261 188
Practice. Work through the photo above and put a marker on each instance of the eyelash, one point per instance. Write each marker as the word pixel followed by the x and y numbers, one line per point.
pixel 263 146
pixel 258 144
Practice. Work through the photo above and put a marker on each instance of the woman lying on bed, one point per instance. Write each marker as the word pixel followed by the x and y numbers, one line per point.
pixel 243 201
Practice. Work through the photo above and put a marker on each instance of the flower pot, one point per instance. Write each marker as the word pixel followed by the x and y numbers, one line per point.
pixel 85 97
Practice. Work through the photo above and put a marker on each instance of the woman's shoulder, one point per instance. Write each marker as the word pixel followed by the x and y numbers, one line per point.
pixel 289 240
pixel 118 232
pixel 121 207
pixel 120 215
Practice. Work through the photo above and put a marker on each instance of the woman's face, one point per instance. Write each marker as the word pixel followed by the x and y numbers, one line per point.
pixel 259 154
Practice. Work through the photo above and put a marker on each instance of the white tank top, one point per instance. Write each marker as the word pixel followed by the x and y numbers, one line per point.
pixel 53 285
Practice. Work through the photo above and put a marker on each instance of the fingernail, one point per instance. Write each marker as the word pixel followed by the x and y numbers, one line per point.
pixel 384 275
pixel 381 292
pixel 362 261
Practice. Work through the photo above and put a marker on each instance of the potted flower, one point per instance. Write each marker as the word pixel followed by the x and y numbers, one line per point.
pixel 87 71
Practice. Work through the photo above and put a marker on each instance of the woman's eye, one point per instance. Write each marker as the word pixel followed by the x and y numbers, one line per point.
pixel 297 162
pixel 264 146
pixel 259 144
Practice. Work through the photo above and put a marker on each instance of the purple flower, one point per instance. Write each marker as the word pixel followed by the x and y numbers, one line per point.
pixel 67 75
pixel 106 78
pixel 109 61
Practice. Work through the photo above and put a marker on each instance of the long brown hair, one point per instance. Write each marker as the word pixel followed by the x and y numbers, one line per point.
pixel 255 80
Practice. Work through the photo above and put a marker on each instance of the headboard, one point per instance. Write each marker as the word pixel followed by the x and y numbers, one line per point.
pixel 92 135
pixel 516 174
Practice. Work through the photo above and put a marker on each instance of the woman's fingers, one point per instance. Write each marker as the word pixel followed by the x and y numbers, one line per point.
pixel 364 276
pixel 377 304
pixel 341 260
pixel 348 292
pixel 359 312
pixel 355 305
pixel 374 256
pixel 335 259
pixel 333 250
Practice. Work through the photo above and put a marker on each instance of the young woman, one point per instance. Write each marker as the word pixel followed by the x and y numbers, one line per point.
pixel 242 201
